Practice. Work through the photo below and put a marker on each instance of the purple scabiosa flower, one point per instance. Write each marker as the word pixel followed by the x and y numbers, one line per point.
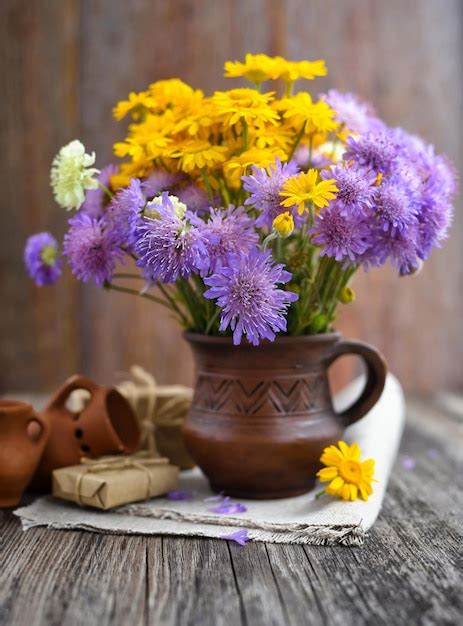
pixel 396 204
pixel 246 290
pixel 265 186
pixel 161 180
pixel 229 508
pixel 401 249
pixel 179 495
pixel 376 151
pixel 240 537
pixel 357 116
pixel 124 212
pixel 41 259
pixel 96 200
pixel 344 237
pixel 228 230
pixel 195 198
pixel 91 249
pixel 355 186
pixel 169 245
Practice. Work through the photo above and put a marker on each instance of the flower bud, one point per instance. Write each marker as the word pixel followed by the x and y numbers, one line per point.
pixel 283 224
pixel 346 295
pixel 319 323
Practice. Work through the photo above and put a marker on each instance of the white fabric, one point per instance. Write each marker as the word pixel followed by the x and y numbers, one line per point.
pixel 303 519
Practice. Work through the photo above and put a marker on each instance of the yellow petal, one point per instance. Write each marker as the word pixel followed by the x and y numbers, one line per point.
pixel 344 448
pixel 336 484
pixel 327 473
pixel 353 492
pixel 355 452
pixel 346 492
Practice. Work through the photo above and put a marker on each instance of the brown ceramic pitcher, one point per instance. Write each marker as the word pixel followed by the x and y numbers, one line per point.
pixel 23 435
pixel 261 416
pixel 106 425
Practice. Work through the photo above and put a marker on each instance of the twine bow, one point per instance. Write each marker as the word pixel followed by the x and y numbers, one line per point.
pixel 141 461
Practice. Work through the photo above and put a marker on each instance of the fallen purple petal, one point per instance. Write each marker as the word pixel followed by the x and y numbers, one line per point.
pixel 179 495
pixel 218 498
pixel 227 508
pixel 408 463
pixel 240 536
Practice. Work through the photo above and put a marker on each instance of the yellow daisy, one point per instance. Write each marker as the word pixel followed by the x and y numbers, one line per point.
pixel 290 71
pixel 135 105
pixel 301 110
pixel 303 188
pixel 349 478
pixel 172 92
pixel 197 154
pixel 256 68
pixel 237 165
pixel 248 104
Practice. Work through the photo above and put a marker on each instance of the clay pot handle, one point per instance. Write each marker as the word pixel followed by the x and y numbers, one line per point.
pixel 75 382
pixel 37 427
pixel 375 377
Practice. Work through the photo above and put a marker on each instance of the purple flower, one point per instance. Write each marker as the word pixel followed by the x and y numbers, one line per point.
pixel 91 249
pixel 161 180
pixel 228 508
pixel 41 259
pixel 396 204
pixel 401 249
pixel 345 237
pixel 195 198
pixel 124 212
pixel 179 495
pixel 357 116
pixel 408 463
pixel 265 186
pixel 355 185
pixel 240 536
pixel 228 230
pixel 246 291
pixel 376 151
pixel 97 199
pixel 170 246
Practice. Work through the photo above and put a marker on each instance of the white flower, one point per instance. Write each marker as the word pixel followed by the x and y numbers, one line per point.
pixel 71 175
pixel 179 207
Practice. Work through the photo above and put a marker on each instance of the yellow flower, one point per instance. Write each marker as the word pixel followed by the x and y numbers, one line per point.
pixel 349 478
pixel 304 187
pixel 271 136
pixel 197 154
pixel 248 104
pixel 135 104
pixel 237 165
pixel 256 68
pixel 283 224
pixel 172 92
pixel 290 71
pixel 316 117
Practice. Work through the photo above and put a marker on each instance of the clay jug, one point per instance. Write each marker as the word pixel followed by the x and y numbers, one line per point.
pixel 261 416
pixel 23 435
pixel 106 425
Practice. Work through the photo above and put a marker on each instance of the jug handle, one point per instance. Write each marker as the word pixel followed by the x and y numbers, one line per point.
pixel 45 426
pixel 376 371
pixel 75 382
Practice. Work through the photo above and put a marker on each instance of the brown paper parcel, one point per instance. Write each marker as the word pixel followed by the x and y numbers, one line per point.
pixel 110 482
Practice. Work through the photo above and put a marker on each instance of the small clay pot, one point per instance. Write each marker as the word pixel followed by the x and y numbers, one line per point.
pixel 261 416
pixel 23 435
pixel 106 425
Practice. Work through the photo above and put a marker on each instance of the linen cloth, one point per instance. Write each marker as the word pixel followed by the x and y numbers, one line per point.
pixel 304 519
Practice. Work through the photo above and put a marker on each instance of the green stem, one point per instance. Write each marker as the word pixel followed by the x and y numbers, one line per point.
pixel 173 305
pixel 245 134
pixel 207 184
pixel 212 320
pixel 126 275
pixel 268 239
pixel 105 189
pixel 134 292
pixel 296 142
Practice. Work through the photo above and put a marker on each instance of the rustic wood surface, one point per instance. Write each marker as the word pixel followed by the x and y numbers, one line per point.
pixel 64 63
pixel 408 572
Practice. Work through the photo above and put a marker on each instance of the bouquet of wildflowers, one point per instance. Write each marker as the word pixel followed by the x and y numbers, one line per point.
pixel 248 212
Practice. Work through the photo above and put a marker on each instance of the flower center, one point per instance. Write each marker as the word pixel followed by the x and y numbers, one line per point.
pixel 350 471
pixel 48 255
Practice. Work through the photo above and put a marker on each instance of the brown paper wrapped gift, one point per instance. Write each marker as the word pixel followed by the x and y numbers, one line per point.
pixel 109 482
pixel 164 406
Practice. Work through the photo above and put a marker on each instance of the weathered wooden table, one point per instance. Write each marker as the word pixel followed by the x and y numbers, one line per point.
pixel 409 571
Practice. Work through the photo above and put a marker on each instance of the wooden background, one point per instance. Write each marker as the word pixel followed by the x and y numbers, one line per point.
pixel 64 63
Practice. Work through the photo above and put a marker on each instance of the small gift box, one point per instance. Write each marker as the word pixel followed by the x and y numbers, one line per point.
pixel 108 482
pixel 160 409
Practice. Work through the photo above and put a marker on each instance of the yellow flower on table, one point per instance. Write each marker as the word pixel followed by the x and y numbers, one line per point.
pixel 196 154
pixel 237 165
pixel 305 187
pixel 248 104
pixel 349 478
